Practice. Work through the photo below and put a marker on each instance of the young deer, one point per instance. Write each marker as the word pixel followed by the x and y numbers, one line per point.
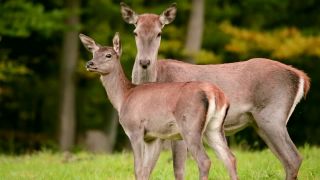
pixel 263 93
pixel 151 113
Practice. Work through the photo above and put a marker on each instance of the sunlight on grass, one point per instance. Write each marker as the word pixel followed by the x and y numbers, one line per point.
pixel 47 165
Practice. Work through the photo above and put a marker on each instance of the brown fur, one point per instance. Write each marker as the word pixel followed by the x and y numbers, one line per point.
pixel 262 92
pixel 298 73
pixel 153 112
pixel 146 21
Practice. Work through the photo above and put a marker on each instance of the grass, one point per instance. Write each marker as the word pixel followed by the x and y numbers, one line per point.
pixel 47 165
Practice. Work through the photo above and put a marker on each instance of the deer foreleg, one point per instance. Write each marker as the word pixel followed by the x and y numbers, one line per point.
pixel 146 155
pixel 137 144
pixel 151 154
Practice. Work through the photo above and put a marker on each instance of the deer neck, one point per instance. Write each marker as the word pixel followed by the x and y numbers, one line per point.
pixel 117 86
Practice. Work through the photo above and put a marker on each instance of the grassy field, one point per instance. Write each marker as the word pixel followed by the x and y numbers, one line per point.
pixel 47 165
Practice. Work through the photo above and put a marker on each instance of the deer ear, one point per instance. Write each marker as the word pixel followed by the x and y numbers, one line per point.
pixel 88 42
pixel 128 14
pixel 117 44
pixel 168 15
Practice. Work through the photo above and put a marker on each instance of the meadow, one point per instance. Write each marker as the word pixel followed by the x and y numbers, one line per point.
pixel 119 166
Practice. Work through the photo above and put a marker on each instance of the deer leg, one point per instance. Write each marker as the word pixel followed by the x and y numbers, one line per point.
pixel 276 136
pixel 195 146
pixel 145 154
pixel 216 139
pixel 179 153
pixel 151 154
pixel 137 144
pixel 191 121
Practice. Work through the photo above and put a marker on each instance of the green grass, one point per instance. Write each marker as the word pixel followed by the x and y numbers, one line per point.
pixel 47 165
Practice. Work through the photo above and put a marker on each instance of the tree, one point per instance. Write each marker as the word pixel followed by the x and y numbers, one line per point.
pixel 195 29
pixel 67 89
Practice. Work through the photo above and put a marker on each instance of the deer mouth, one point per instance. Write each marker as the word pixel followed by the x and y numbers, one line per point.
pixel 91 69
pixel 97 70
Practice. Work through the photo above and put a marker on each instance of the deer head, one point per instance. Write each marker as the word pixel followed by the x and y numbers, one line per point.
pixel 147 33
pixel 104 58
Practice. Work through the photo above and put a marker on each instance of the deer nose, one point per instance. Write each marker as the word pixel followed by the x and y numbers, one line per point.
pixel 144 63
pixel 89 63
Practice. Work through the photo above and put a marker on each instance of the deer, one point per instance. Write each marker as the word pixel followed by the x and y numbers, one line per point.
pixel 262 92
pixel 151 113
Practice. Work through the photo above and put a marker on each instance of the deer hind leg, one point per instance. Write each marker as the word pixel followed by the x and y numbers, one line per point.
pixel 214 135
pixel 190 114
pixel 195 146
pixel 191 132
pixel 271 127
pixel 179 153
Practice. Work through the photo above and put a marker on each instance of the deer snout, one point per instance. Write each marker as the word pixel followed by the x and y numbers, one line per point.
pixel 144 63
pixel 89 64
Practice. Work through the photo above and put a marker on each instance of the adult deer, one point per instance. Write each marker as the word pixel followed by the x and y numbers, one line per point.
pixel 153 112
pixel 263 93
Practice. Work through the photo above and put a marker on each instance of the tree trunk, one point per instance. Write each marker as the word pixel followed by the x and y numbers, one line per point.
pixel 67 88
pixel 195 29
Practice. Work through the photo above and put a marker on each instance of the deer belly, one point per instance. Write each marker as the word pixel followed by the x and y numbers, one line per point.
pixel 237 123
pixel 163 130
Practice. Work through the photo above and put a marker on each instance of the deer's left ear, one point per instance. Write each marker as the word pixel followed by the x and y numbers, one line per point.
pixel 168 15
pixel 117 44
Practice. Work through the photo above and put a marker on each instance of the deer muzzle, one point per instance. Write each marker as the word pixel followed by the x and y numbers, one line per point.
pixel 89 64
pixel 144 63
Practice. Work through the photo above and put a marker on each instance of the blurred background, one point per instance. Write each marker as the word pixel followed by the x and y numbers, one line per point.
pixel 49 101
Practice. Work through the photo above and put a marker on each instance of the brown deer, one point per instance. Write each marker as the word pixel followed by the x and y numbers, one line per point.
pixel 263 93
pixel 154 112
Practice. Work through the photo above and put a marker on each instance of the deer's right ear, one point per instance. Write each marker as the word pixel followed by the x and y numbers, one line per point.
pixel 88 42
pixel 128 14
pixel 117 44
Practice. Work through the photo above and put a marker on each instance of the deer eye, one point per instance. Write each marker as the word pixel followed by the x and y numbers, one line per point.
pixel 159 34
pixel 135 34
pixel 108 55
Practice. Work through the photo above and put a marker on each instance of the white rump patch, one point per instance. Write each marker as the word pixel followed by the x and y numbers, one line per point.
pixel 297 98
pixel 211 111
pixel 215 117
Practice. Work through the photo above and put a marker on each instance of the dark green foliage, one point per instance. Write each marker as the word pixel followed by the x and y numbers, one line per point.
pixel 20 17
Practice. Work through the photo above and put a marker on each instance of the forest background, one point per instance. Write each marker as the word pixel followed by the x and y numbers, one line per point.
pixel 44 87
